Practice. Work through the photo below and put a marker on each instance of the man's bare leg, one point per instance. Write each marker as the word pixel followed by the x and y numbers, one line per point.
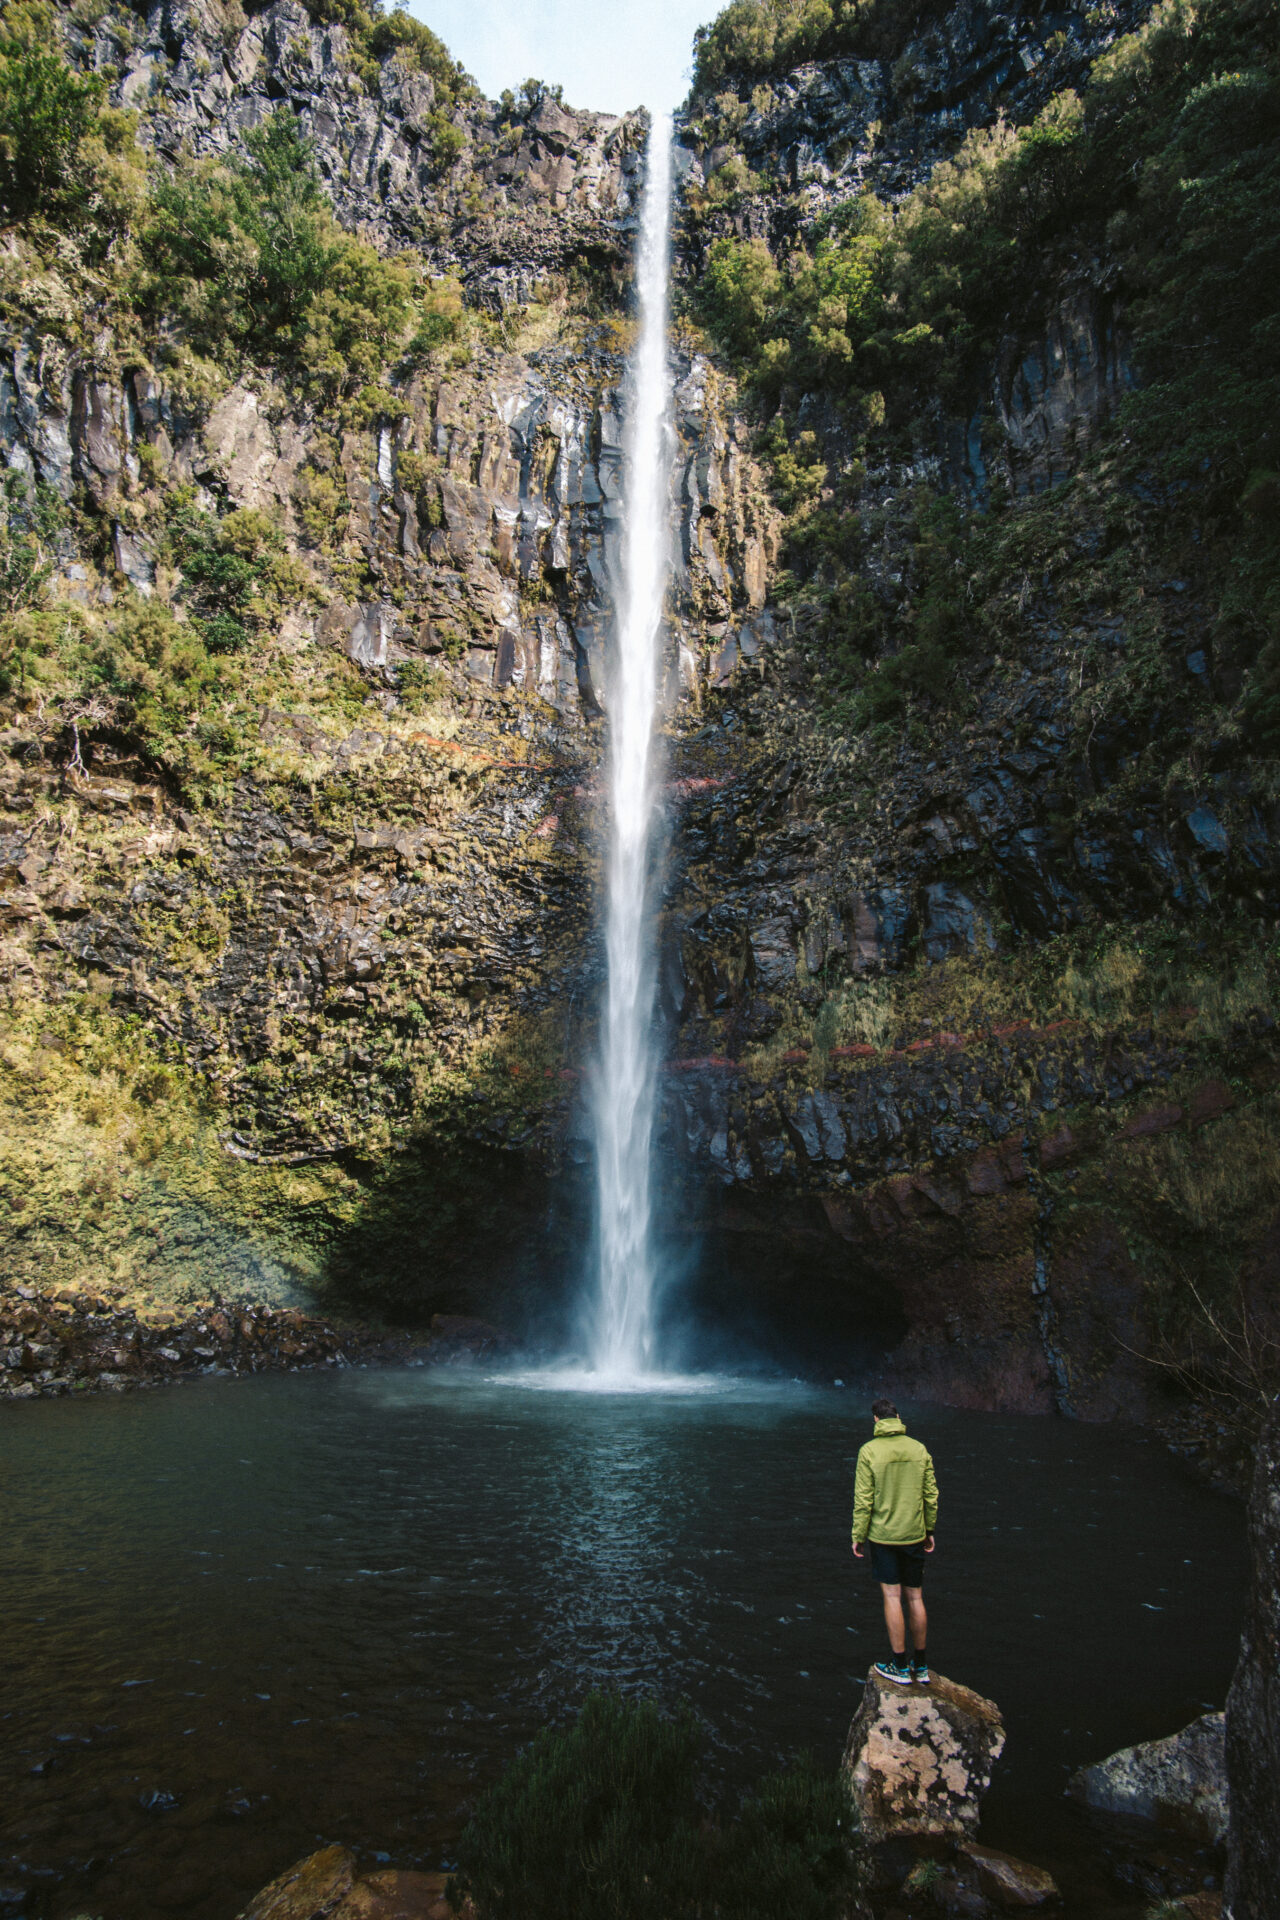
pixel 917 1618
pixel 893 1620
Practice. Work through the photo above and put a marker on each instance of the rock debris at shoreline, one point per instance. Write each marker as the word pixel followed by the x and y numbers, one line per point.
pixel 84 1340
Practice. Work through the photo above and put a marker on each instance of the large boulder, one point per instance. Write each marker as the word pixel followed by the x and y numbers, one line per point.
pixel 324 1886
pixel 1179 1782
pixel 314 1889
pixel 1253 1706
pixel 919 1759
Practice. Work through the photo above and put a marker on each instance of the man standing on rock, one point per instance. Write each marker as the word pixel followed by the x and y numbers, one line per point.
pixel 895 1509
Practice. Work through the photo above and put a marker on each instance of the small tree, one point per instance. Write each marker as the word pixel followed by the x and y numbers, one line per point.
pixel 46 113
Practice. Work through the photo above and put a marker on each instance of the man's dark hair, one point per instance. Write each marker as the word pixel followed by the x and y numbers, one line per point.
pixel 883 1410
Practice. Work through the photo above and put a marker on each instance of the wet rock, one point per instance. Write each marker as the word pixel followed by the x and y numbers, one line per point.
pixel 1179 1782
pixel 314 1889
pixel 325 1887
pixel 393 1895
pixel 1009 1882
pixel 919 1759
pixel 1253 1705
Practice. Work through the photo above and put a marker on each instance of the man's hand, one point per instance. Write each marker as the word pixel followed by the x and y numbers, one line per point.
pixel 857 1549
pixel 928 1543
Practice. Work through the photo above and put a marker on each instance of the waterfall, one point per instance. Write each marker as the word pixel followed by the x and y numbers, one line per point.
pixel 622 1336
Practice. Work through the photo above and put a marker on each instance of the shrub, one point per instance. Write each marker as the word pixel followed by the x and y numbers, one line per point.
pixel 153 679
pixel 46 115
pixel 237 576
pixel 810 324
pixel 420 685
pixel 606 1816
pixel 247 253
pixel 29 521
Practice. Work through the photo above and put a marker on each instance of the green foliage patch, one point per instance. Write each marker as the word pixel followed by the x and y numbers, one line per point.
pixel 609 1815
pixel 752 39
pixel 1168 163
pixel 247 255
pixel 237 576
pixel 46 115
pixel 30 520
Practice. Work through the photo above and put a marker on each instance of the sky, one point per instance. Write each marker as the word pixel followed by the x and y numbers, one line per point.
pixel 607 54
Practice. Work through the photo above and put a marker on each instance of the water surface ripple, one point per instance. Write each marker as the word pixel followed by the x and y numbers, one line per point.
pixel 246 1618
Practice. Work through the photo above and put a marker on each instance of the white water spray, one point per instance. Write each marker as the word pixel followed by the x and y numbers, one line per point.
pixel 622 1345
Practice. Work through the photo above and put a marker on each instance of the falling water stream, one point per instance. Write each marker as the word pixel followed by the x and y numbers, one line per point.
pixel 622 1333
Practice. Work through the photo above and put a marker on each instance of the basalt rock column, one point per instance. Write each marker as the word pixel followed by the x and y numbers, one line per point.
pixel 622 1340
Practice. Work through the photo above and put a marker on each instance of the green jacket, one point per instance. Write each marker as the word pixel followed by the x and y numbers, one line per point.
pixel 895 1496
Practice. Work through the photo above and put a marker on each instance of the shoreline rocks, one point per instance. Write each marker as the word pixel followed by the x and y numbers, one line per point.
pixel 919 1759
pixel 80 1340
pixel 1179 1782
pixel 1009 1882
pixel 328 1886
pixel 917 1763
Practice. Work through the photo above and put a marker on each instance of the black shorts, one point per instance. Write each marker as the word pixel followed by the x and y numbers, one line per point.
pixel 898 1566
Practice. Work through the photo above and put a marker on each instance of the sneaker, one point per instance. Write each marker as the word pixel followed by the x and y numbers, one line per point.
pixel 894 1670
pixel 919 1674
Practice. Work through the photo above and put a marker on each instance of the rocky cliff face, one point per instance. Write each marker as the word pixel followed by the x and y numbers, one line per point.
pixel 383 929
pixel 504 200
pixel 831 127
pixel 1253 1706
pixel 923 1077
pixel 895 958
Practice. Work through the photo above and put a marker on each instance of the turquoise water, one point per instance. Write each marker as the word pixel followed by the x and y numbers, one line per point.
pixel 246 1618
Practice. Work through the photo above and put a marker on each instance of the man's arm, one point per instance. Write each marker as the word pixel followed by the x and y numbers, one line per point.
pixel 864 1488
pixel 930 1496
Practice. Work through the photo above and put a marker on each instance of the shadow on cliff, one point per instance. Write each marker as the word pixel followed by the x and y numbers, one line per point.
pixel 763 1284
pixel 749 1284
pixel 455 1227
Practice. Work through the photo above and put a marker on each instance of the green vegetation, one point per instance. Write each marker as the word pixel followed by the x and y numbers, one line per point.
pixel 46 116
pixel 375 34
pixel 247 255
pixel 1170 164
pixel 421 686
pixel 233 259
pixel 30 517
pixel 67 160
pixel 237 577
pixel 607 1816
pixel 755 38
pixel 517 107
